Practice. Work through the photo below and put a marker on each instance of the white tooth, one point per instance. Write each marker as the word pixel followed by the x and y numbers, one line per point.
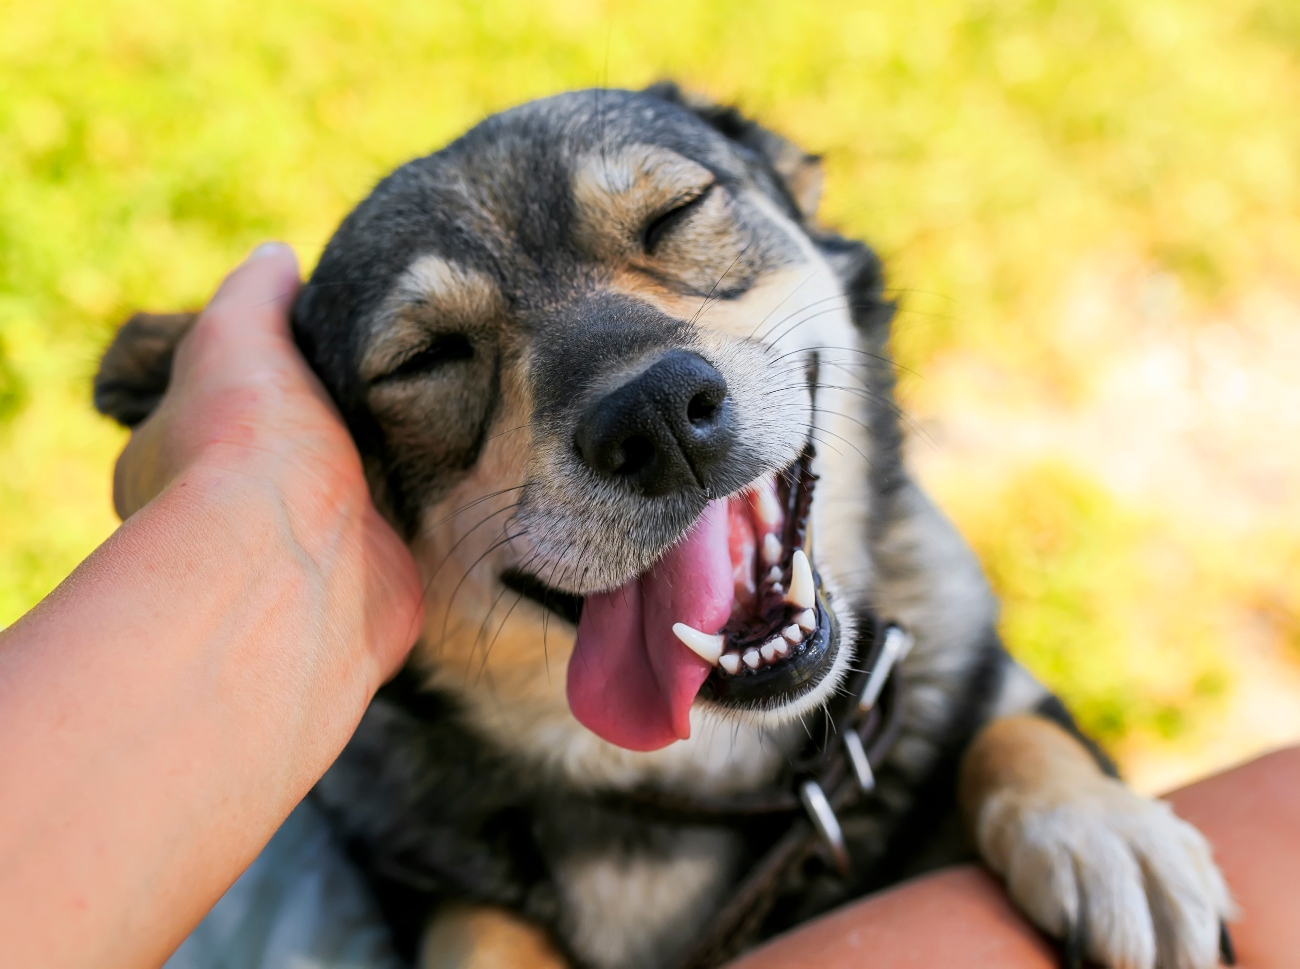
pixel 752 658
pixel 769 509
pixel 730 662
pixel 769 650
pixel 801 593
pixel 807 620
pixel 793 635
pixel 771 549
pixel 778 588
pixel 782 648
pixel 774 574
pixel 703 645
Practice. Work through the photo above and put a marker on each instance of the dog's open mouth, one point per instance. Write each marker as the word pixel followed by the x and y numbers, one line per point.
pixel 777 638
pixel 733 612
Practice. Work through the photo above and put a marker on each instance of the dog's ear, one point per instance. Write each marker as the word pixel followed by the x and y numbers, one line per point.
pixel 136 367
pixel 798 173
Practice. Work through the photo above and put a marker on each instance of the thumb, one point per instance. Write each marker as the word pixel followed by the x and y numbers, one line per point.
pixel 249 313
pixel 241 336
pixel 261 287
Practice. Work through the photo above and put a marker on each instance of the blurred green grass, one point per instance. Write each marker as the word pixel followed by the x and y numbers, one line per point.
pixel 986 148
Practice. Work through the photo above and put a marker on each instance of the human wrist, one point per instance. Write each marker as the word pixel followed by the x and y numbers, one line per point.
pixel 367 589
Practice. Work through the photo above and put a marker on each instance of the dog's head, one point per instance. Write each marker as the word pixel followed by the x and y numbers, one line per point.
pixel 604 373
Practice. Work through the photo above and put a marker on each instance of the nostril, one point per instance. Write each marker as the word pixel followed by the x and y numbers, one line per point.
pixel 638 452
pixel 702 407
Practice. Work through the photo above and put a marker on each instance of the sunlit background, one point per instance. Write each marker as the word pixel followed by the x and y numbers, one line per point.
pixel 1090 211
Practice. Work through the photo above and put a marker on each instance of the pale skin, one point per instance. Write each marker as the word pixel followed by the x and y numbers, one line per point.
pixel 165 708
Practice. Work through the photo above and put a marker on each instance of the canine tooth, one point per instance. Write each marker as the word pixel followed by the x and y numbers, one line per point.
pixel 807 620
pixel 752 658
pixel 793 635
pixel 802 593
pixel 703 645
pixel 774 574
pixel 771 549
pixel 769 650
pixel 769 509
pixel 730 662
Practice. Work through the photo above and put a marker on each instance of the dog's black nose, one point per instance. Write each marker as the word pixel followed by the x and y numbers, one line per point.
pixel 667 429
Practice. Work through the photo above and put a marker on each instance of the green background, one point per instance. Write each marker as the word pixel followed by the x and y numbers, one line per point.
pixel 988 149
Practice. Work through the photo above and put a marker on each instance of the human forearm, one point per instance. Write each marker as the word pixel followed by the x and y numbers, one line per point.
pixel 189 676
pixel 164 709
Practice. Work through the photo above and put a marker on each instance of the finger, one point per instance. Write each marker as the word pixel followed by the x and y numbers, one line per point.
pixel 261 288
pixel 241 337
pixel 249 313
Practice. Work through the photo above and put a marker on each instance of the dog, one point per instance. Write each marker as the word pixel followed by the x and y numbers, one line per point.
pixel 632 408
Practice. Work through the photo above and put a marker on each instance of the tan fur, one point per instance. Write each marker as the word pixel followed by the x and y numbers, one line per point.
pixel 615 193
pixel 432 295
pixel 484 937
pixel 1024 754
pixel 804 177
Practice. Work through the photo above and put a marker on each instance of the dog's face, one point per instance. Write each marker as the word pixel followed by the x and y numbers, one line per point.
pixel 596 364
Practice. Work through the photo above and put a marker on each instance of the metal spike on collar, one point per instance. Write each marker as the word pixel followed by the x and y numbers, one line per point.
pixel 898 643
pixel 827 824
pixel 859 762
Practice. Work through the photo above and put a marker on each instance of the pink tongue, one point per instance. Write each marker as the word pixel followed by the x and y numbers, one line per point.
pixel 631 681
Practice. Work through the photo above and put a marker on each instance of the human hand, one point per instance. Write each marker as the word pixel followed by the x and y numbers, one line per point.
pixel 243 411
pixel 164 708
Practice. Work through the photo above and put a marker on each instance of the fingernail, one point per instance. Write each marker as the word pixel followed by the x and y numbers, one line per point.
pixel 266 249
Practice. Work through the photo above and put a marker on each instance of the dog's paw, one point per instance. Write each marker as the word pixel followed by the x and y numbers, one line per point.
pixel 1118 877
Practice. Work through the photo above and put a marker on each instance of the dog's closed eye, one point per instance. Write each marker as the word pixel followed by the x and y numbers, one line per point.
pixel 446 349
pixel 663 222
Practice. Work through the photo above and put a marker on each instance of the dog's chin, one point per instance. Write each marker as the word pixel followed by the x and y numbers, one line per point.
pixel 786 647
